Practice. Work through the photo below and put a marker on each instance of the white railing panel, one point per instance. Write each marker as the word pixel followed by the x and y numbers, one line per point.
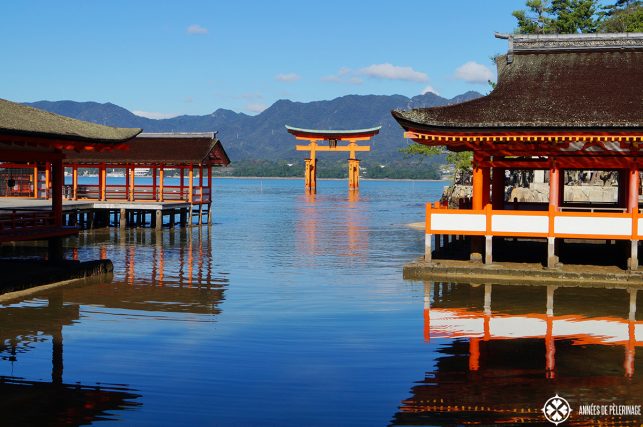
pixel 520 224
pixel 592 226
pixel 458 222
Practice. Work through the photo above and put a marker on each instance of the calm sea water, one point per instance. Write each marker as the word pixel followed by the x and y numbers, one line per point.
pixel 291 310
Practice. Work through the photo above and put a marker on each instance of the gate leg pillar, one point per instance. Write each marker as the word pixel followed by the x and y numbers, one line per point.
pixel 353 174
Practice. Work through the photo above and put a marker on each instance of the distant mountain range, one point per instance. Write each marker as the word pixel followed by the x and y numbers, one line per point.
pixel 263 136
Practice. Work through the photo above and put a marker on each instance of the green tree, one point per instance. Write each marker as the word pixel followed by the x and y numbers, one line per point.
pixel 460 160
pixel 624 16
pixel 535 19
pixel 558 17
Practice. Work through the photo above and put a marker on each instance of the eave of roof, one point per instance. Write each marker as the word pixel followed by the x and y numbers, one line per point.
pixel 334 133
pixel 161 148
pixel 558 83
pixel 21 121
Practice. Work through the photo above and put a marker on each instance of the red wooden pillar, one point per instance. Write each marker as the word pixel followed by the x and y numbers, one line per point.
pixel 102 174
pixel 132 183
pixel 633 190
pixel 126 182
pixel 154 183
pixel 161 179
pixel 474 353
pixel 35 181
pixel 477 202
pixel 74 181
pixel 47 180
pixel 190 183
pixel 554 186
pixel 209 183
pixel 57 191
pixel 182 178
pixel 201 183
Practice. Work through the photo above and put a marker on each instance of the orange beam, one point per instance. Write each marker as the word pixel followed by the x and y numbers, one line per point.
pixel 338 148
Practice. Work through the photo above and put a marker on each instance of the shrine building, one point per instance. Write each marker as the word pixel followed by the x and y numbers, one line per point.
pixel 562 102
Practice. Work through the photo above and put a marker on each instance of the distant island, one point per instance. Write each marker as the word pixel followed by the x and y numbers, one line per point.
pixel 260 146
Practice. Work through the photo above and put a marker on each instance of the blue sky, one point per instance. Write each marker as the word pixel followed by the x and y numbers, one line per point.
pixel 192 57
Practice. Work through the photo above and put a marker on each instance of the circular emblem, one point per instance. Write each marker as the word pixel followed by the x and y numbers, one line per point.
pixel 557 410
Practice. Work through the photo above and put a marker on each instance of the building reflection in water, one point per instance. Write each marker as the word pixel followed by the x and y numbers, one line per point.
pixel 54 402
pixel 505 349
pixel 168 271
pixel 317 234
pixel 155 272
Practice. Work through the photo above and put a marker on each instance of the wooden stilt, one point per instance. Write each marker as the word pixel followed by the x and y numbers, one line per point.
pixel 158 224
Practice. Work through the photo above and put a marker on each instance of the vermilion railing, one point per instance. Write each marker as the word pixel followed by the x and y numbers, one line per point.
pixel 555 222
pixel 141 193
pixel 20 220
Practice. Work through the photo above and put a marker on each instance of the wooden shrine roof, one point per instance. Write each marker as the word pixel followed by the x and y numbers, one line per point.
pixel 20 123
pixel 333 134
pixel 161 148
pixel 551 83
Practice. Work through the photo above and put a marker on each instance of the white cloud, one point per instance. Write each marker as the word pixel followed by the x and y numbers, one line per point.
pixel 344 75
pixel 288 77
pixel 393 72
pixel 197 29
pixel 251 96
pixel 154 114
pixel 430 89
pixel 472 72
pixel 256 107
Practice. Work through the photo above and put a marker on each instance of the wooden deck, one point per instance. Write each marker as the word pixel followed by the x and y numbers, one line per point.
pixel 90 213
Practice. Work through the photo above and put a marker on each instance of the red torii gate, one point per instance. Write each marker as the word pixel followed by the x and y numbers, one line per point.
pixel 333 137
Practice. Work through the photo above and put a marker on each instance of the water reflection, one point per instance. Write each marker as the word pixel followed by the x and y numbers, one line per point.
pixel 23 402
pixel 168 271
pixel 168 275
pixel 504 350
pixel 339 227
